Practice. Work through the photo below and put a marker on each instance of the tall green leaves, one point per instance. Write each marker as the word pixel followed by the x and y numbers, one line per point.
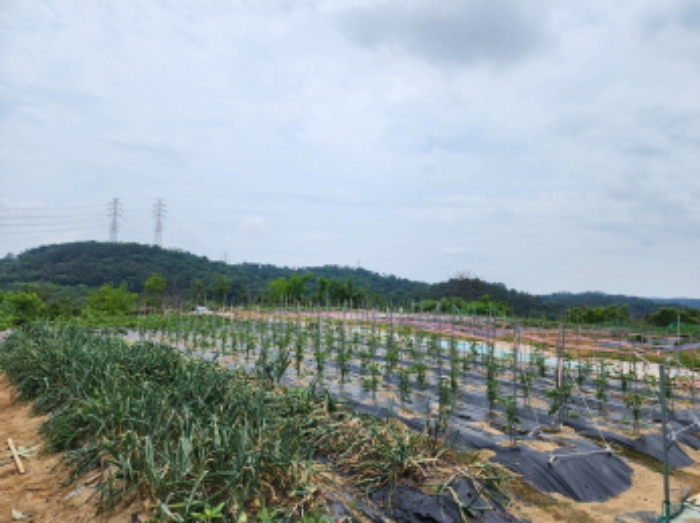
pixel 185 433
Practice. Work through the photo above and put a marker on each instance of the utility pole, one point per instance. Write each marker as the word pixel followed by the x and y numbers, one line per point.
pixel 115 212
pixel 159 214
pixel 666 506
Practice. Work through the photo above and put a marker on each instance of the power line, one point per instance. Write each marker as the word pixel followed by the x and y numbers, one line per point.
pixel 92 229
pixel 138 230
pixel 39 225
pixel 173 226
pixel 86 221
pixel 186 237
pixel 50 209
pixel 46 217
pixel 14 218
pixel 24 223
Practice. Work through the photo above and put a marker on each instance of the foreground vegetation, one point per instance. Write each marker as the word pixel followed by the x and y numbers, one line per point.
pixel 198 442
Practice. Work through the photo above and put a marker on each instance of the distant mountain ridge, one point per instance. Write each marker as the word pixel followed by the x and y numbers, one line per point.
pixel 96 263
pixel 693 303
pixel 637 306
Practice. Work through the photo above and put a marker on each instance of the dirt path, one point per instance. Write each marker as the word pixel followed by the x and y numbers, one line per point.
pixel 39 492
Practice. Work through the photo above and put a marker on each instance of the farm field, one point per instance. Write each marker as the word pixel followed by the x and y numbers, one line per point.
pixel 366 261
pixel 474 379
pixel 572 415
pixel 555 406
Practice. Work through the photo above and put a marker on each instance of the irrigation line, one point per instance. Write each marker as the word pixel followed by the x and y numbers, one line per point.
pixel 674 433
pixel 556 457
pixel 590 415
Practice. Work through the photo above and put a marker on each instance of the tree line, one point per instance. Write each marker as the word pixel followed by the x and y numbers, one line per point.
pixel 63 275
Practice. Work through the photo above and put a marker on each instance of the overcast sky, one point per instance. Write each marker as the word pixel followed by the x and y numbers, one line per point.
pixel 548 145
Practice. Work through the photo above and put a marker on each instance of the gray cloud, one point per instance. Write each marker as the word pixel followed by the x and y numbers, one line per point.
pixel 684 14
pixel 645 210
pixel 690 16
pixel 454 32
pixel 272 133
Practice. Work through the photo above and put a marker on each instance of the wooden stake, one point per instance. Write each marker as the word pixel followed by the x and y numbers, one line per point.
pixel 15 455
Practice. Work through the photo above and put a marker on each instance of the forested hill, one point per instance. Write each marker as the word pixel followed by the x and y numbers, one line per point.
pixel 685 302
pixel 93 264
pixel 637 307
pixel 470 289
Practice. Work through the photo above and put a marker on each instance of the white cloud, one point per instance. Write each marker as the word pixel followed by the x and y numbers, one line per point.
pixel 254 225
pixel 550 146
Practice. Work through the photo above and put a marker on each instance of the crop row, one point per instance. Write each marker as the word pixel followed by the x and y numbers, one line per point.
pixel 197 441
pixel 409 360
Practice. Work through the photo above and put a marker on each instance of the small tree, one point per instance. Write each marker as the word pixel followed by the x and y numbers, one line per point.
pixel 292 290
pixel 392 358
pixel 510 409
pixel 492 382
pixel 343 363
pixel 154 289
pixel 320 355
pixel 601 385
pixel 112 300
pixel 420 369
pixel 445 400
pixel 197 290
pixel 299 349
pixel 560 397
pixel 526 378
pixel 582 372
pixel 539 361
pixel 375 372
pixel 634 402
pixel 221 287
pixel 404 376
pixel 24 307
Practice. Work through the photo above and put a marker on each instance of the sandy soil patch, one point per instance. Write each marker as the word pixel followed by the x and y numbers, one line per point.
pixel 40 490
pixel 645 494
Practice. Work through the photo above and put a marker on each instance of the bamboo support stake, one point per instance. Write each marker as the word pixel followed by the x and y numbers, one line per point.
pixel 15 455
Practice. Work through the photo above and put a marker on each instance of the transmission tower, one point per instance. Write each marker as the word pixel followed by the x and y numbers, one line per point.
pixel 159 214
pixel 115 212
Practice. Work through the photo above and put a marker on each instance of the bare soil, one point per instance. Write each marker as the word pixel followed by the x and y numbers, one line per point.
pixel 41 493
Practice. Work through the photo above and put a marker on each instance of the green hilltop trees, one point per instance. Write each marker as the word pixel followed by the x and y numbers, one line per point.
pixel 154 288
pixel 112 300
pixel 671 316
pixel 291 290
pixel 334 291
pixel 327 291
pixel 484 305
pixel 597 315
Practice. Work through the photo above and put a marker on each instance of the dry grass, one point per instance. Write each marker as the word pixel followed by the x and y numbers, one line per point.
pixel 525 495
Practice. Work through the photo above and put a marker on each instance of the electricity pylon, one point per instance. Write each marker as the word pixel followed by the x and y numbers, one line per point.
pixel 115 212
pixel 159 214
